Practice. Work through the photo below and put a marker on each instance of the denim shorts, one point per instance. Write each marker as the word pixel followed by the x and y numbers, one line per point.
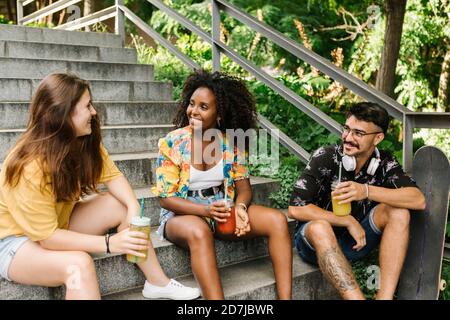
pixel 8 248
pixel 345 241
pixel 165 214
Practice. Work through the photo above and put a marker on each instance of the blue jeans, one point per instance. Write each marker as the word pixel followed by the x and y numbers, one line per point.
pixel 165 214
pixel 345 241
pixel 8 248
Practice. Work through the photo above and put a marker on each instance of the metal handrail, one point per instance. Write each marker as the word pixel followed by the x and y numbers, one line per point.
pixel 410 119
pixel 52 8
pixel 395 109
pixel 155 35
pixel 90 19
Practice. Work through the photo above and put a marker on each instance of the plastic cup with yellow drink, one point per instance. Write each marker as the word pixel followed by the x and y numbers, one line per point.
pixel 141 224
pixel 342 209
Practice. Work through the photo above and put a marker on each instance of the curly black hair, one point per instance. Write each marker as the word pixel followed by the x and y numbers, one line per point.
pixel 235 104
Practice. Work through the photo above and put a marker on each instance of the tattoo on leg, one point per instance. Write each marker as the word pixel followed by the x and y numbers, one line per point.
pixel 334 266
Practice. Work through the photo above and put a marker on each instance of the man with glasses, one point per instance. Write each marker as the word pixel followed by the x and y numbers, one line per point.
pixel 381 195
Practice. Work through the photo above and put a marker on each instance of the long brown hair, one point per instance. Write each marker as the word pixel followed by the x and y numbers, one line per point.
pixel 73 164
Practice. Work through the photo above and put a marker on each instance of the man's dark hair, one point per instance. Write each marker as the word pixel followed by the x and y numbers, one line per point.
pixel 370 112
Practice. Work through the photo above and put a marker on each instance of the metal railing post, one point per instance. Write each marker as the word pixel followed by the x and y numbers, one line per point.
pixel 19 12
pixel 120 21
pixel 408 131
pixel 215 35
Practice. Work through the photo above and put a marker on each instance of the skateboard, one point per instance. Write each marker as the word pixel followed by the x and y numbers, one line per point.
pixel 421 275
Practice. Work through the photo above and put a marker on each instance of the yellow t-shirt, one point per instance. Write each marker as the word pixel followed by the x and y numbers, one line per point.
pixel 30 210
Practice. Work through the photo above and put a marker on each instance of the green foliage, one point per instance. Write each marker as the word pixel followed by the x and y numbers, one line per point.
pixel 288 172
pixel 3 20
pixel 167 67
pixel 142 8
pixel 287 175
pixel 439 138
pixel 314 15
pixel 445 275
pixel 99 27
pixel 309 134
pixel 426 34
pixel 360 269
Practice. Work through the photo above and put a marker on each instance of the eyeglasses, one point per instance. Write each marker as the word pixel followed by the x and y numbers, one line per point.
pixel 356 133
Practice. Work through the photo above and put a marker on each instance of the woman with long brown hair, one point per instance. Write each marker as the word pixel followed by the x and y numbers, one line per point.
pixel 47 225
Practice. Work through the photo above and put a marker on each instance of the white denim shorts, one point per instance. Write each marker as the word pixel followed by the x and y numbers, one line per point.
pixel 8 248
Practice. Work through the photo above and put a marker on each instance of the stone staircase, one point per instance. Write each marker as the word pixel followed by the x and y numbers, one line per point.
pixel 136 111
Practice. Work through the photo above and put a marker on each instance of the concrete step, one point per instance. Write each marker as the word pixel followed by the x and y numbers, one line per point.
pixel 52 51
pixel 102 90
pixel 117 139
pixel 14 291
pixel 14 115
pixel 39 68
pixel 45 35
pixel 254 280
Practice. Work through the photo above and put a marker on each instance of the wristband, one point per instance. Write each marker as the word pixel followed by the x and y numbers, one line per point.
pixel 367 190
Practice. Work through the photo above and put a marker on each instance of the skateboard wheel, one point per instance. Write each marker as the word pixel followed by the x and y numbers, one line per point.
pixel 442 285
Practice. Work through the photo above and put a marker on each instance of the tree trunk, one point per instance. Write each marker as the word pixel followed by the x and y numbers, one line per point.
pixel 50 16
pixel 444 79
pixel 395 14
pixel 10 11
pixel 89 7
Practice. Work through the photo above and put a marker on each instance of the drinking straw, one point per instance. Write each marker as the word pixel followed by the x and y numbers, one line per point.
pixel 142 208
pixel 225 189
pixel 340 171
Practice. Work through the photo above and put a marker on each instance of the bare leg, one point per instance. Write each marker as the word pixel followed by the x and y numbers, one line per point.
pixel 271 223
pixel 103 212
pixel 394 243
pixel 192 232
pixel 33 265
pixel 332 261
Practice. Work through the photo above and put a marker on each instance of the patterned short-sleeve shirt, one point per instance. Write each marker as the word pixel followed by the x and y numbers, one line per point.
pixel 174 161
pixel 314 185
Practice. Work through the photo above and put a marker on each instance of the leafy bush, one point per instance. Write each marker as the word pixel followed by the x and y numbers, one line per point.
pixel 363 276
pixel 445 275
pixel 3 20
pixel 167 67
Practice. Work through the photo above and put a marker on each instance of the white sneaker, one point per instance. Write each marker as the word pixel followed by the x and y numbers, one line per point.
pixel 173 290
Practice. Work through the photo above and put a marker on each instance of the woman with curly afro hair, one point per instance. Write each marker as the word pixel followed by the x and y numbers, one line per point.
pixel 195 173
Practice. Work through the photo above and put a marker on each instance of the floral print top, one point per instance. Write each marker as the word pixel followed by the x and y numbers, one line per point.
pixel 174 161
